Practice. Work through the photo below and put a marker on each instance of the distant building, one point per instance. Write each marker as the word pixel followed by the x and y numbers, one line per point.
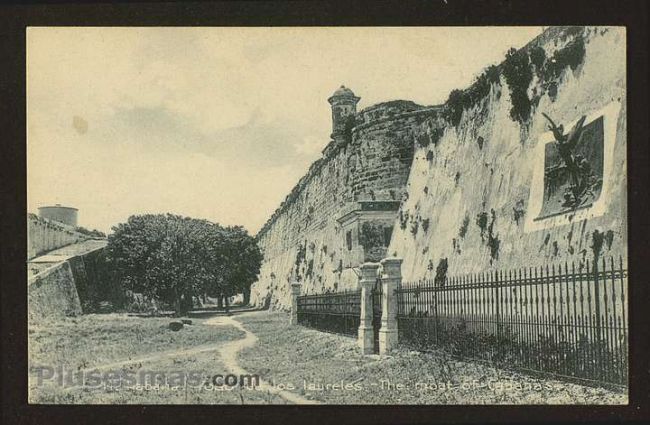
pixel 65 215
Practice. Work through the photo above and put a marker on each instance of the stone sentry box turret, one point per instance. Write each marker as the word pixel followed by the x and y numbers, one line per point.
pixel 343 211
pixel 344 108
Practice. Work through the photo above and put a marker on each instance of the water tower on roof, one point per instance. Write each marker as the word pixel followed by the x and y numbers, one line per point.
pixel 65 215
pixel 344 104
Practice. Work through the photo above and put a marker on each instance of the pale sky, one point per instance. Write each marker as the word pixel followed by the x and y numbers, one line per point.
pixel 216 123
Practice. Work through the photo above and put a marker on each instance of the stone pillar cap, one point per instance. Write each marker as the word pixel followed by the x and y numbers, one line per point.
pixel 391 261
pixel 391 268
pixel 369 271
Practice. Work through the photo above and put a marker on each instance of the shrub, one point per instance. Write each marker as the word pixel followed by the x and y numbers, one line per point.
pixel 460 100
pixel 414 227
pixel 441 272
pixel 518 75
pixel 571 56
pixel 463 227
pixel 481 222
pixel 454 107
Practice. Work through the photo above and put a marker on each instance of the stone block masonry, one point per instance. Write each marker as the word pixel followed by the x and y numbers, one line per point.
pixel 304 241
pixel 69 282
pixel 52 293
pixel 471 181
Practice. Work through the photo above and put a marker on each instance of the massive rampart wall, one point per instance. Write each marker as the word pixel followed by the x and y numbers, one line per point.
pixel 482 194
pixel 485 186
pixel 70 287
pixel 303 239
pixel 53 294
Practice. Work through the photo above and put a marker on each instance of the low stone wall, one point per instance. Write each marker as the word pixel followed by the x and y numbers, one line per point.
pixel 45 235
pixel 53 294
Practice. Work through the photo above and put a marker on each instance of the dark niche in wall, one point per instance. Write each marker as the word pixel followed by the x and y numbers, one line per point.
pixel 375 236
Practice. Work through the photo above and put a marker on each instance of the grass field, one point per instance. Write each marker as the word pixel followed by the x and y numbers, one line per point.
pixel 319 365
pixel 96 339
pixel 111 342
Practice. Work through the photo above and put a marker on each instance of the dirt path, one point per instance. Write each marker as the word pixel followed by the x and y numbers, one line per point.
pixel 229 351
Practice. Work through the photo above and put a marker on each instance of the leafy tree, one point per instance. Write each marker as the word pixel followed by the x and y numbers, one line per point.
pixel 175 259
pixel 244 260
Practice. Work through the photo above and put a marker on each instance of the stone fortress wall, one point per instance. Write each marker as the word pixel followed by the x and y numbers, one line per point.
pixel 461 187
pixel 477 189
pixel 44 235
pixel 303 240
pixel 53 294
pixel 63 271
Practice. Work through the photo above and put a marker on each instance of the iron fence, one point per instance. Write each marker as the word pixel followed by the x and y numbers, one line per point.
pixel 563 320
pixel 338 312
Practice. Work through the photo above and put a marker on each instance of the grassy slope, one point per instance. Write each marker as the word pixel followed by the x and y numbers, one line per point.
pixel 286 354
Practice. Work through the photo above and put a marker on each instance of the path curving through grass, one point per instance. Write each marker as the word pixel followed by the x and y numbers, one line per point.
pixel 230 350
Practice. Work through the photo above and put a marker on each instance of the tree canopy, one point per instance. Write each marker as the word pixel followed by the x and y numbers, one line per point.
pixel 174 259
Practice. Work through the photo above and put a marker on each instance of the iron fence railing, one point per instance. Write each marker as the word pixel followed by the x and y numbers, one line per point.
pixel 338 312
pixel 564 320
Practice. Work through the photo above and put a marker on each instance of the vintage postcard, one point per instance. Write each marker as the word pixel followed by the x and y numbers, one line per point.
pixel 327 215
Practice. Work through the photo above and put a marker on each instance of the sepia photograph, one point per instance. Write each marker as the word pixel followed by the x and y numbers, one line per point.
pixel 327 215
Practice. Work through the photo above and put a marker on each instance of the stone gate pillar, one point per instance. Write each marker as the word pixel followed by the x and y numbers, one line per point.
pixel 295 292
pixel 391 279
pixel 367 282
